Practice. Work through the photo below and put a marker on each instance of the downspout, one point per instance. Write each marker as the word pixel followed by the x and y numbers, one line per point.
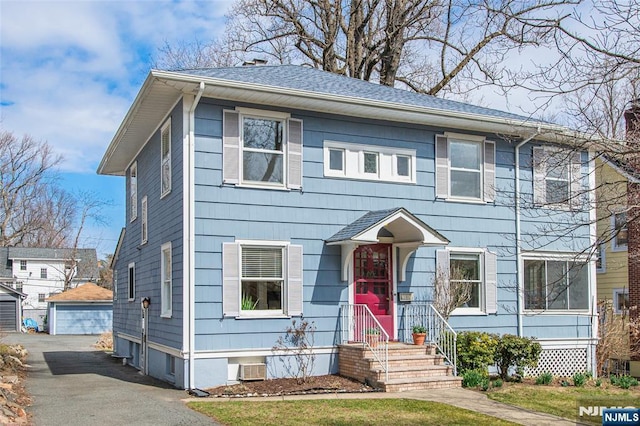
pixel 519 234
pixel 191 234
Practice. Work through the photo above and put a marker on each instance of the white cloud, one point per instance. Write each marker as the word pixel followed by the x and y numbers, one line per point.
pixel 70 70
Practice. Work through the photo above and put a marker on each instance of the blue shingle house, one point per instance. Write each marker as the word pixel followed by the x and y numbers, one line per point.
pixel 259 195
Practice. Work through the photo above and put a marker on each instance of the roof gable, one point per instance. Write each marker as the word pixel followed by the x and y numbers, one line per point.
pixel 88 292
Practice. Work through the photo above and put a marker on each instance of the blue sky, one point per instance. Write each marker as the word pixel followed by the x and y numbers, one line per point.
pixel 69 70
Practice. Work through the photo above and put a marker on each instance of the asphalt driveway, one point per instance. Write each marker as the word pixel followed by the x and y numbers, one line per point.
pixel 73 384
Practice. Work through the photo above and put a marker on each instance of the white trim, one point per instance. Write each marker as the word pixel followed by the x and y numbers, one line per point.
pixel 274 243
pixel 555 255
pixel 464 137
pixel 254 112
pixel 353 162
pixel 318 350
pixel 602 254
pixel 166 349
pixel 480 310
pixel 129 337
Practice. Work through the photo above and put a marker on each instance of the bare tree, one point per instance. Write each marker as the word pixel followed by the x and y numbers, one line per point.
pixel 105 272
pixel 450 291
pixel 33 209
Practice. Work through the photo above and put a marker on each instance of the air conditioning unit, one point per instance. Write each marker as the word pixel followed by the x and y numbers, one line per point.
pixel 256 371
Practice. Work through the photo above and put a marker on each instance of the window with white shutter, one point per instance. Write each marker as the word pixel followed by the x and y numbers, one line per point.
pixel 166 290
pixel 465 168
pixel 262 148
pixel 262 279
pixel 473 271
pixel 133 191
pixel 557 178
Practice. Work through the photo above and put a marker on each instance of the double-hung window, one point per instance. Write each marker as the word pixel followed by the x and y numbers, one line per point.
pixel 23 265
pixel 166 301
pixel 620 300
pixel 262 278
pixel 133 191
pixel 262 148
pixel 465 168
pixel 469 276
pixel 165 163
pixel 620 231
pixel 555 285
pixel 43 273
pixel 556 177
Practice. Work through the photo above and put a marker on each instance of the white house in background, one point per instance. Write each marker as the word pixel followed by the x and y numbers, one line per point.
pixel 40 273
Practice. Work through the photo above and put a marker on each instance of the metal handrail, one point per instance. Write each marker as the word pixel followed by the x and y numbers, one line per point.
pixel 360 326
pixel 439 332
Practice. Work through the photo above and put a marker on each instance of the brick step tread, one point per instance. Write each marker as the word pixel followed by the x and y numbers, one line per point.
pixel 420 386
pixel 418 357
pixel 403 368
pixel 415 380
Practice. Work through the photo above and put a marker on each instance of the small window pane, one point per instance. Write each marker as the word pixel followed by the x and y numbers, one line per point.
pixel 261 295
pixel 622 301
pixel 261 262
pixel 621 232
pixel 336 159
pixel 262 167
pixel 261 133
pixel 557 167
pixel 402 163
pixel 557 191
pixel 465 184
pixel 534 284
pixel 465 155
pixel 370 162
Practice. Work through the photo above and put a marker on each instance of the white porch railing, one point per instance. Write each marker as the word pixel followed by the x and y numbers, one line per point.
pixel 360 326
pixel 439 332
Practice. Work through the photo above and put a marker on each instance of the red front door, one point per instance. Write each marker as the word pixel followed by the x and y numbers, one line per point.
pixel 374 282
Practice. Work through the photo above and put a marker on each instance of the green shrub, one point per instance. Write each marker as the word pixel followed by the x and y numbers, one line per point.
pixel 624 382
pixel 544 379
pixel 485 384
pixel 579 379
pixel 598 383
pixel 474 378
pixel 497 383
pixel 475 350
pixel 518 352
pixel 564 384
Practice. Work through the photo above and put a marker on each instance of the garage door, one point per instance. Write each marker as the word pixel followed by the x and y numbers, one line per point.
pixel 83 319
pixel 8 320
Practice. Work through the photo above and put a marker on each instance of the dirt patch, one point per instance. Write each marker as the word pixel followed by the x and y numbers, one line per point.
pixel 278 387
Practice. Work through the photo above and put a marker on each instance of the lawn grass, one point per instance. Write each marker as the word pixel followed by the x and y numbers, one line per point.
pixel 341 412
pixel 563 401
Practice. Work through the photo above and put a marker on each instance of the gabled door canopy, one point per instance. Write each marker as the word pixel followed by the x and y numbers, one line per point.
pixel 408 231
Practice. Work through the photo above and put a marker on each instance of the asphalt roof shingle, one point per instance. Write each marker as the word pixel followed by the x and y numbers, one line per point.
pixel 315 80
pixel 88 292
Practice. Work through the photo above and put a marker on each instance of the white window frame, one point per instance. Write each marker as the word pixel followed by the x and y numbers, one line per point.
pixel 131 282
pixel 133 191
pixel 480 310
pixel 617 292
pixel 41 297
pixel 479 143
pixel 353 162
pixel 615 246
pixel 43 273
pixel 264 313
pixel 23 265
pixel 144 223
pixel 548 257
pixel 165 160
pixel 166 281
pixel 264 115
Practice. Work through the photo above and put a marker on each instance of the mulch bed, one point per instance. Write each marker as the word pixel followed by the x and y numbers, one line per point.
pixel 278 387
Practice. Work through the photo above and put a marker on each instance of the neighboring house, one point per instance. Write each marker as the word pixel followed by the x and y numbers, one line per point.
pixel 86 309
pixel 618 194
pixel 41 272
pixel 256 195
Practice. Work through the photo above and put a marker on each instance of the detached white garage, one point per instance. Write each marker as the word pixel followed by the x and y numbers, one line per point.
pixel 86 309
